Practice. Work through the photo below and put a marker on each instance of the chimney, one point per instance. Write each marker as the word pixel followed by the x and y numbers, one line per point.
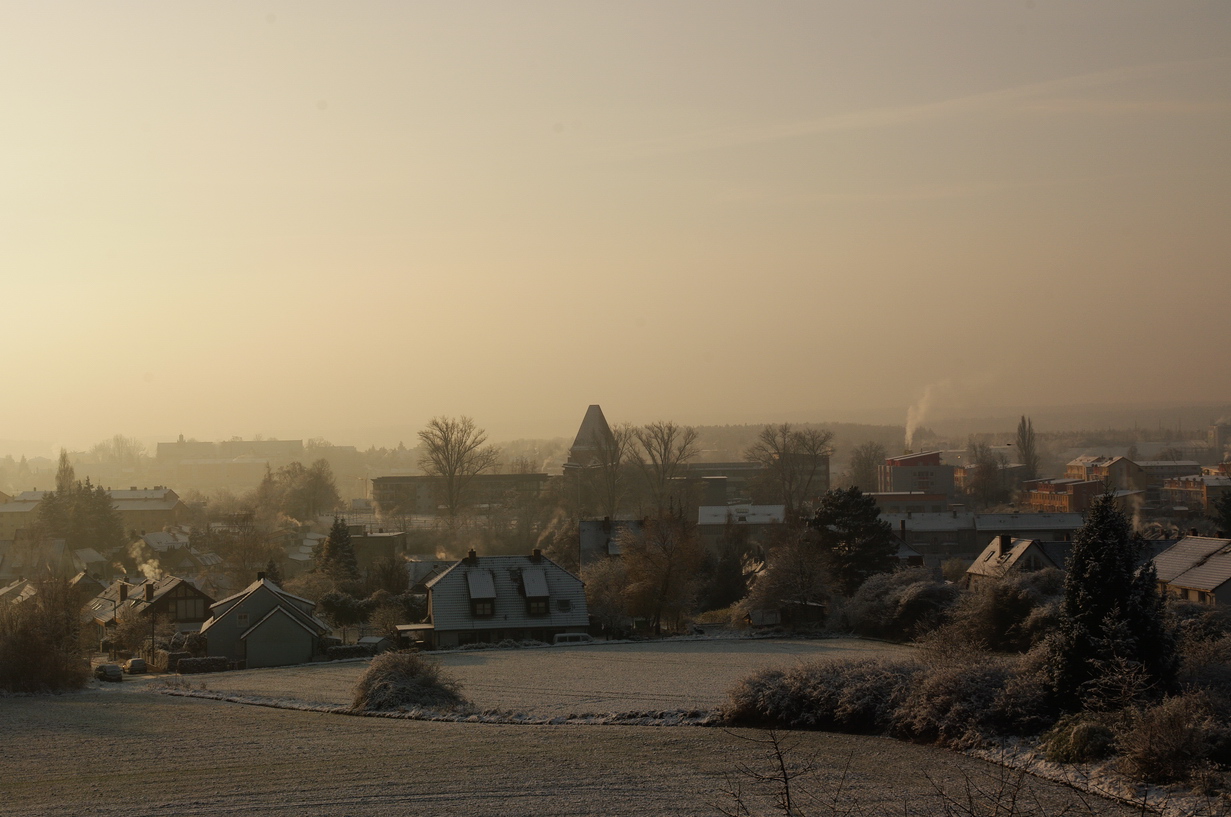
pixel 1004 543
pixel 1193 532
pixel 149 590
pixel 123 592
pixel 260 575
pixel 472 557
pixel 536 556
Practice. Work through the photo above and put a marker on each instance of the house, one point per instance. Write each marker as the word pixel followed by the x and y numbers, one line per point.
pixel 920 473
pixel 493 598
pixel 1067 495
pixel 179 600
pixel 1196 493
pixel 1196 568
pixel 716 521
pixel 1006 553
pixel 264 626
pixel 960 534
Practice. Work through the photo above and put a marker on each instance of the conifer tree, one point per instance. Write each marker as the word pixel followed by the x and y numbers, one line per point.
pixel 855 543
pixel 1111 620
pixel 337 558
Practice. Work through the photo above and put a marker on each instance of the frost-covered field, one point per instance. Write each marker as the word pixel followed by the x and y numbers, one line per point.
pixel 105 752
pixel 558 681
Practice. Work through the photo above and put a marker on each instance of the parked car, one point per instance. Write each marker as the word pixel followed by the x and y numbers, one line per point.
pixel 109 672
pixel 572 638
pixel 135 666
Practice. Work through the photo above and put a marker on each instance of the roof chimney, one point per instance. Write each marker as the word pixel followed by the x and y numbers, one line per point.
pixel 149 590
pixel 123 592
pixel 536 556
pixel 1004 543
pixel 472 557
pixel 260 575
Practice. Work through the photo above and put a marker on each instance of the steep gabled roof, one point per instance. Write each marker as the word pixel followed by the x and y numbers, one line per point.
pixel 305 619
pixel 593 427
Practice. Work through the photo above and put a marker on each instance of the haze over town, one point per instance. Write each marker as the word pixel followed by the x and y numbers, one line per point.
pixel 315 220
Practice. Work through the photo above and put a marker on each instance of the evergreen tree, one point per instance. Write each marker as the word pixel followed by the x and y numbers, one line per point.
pixel 853 540
pixel 273 572
pixel 1220 512
pixel 337 557
pixel 1111 620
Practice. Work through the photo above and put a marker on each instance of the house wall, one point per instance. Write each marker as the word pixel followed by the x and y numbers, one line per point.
pixel 278 642
pixel 223 635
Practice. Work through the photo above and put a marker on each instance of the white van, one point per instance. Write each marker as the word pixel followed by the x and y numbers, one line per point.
pixel 572 638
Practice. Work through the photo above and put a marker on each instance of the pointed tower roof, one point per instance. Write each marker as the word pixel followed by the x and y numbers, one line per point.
pixel 593 427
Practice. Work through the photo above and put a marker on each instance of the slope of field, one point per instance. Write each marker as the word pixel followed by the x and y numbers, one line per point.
pixel 108 753
pixel 558 681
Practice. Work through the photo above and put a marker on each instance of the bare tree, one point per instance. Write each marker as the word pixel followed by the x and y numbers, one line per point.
pixel 865 460
pixel 664 447
pixel 797 462
pixel 609 471
pixel 662 561
pixel 455 452
pixel 1027 447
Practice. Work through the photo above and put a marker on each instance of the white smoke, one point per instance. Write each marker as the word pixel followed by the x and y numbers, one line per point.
pixel 916 414
pixel 147 565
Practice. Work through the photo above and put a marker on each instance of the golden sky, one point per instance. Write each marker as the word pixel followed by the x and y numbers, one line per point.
pixel 234 218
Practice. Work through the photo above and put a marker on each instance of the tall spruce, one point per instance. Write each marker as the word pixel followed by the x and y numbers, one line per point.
pixel 337 558
pixel 854 542
pixel 1112 618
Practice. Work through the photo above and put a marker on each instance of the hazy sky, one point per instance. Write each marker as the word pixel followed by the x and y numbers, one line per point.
pixel 229 218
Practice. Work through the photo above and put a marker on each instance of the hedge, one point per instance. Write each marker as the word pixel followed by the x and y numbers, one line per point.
pixel 214 663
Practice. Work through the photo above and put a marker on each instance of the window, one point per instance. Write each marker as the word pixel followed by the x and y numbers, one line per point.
pixel 241 619
pixel 536 607
pixel 564 605
pixel 482 608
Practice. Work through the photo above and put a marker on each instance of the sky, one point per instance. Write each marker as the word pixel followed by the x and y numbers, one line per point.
pixel 231 218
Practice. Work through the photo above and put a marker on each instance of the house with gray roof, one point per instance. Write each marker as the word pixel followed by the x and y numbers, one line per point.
pixel 1197 568
pixel 1007 553
pixel 493 598
pixel 265 626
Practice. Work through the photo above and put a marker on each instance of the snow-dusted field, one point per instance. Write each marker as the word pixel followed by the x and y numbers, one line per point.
pixel 105 752
pixel 557 681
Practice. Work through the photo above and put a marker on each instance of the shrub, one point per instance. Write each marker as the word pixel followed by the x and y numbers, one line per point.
pixel 1078 739
pixel 859 696
pixel 348 651
pixel 1169 742
pixel 900 605
pixel 402 679
pixel 954 704
pixel 1013 613
pixel 213 663
pixel 165 661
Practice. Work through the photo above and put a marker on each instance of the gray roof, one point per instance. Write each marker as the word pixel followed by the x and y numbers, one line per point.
pixel 1208 575
pixel 937 521
pixel 1185 555
pixel 1010 522
pixel 450 594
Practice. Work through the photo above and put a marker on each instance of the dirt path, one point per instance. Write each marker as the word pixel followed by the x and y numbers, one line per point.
pixel 110 753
